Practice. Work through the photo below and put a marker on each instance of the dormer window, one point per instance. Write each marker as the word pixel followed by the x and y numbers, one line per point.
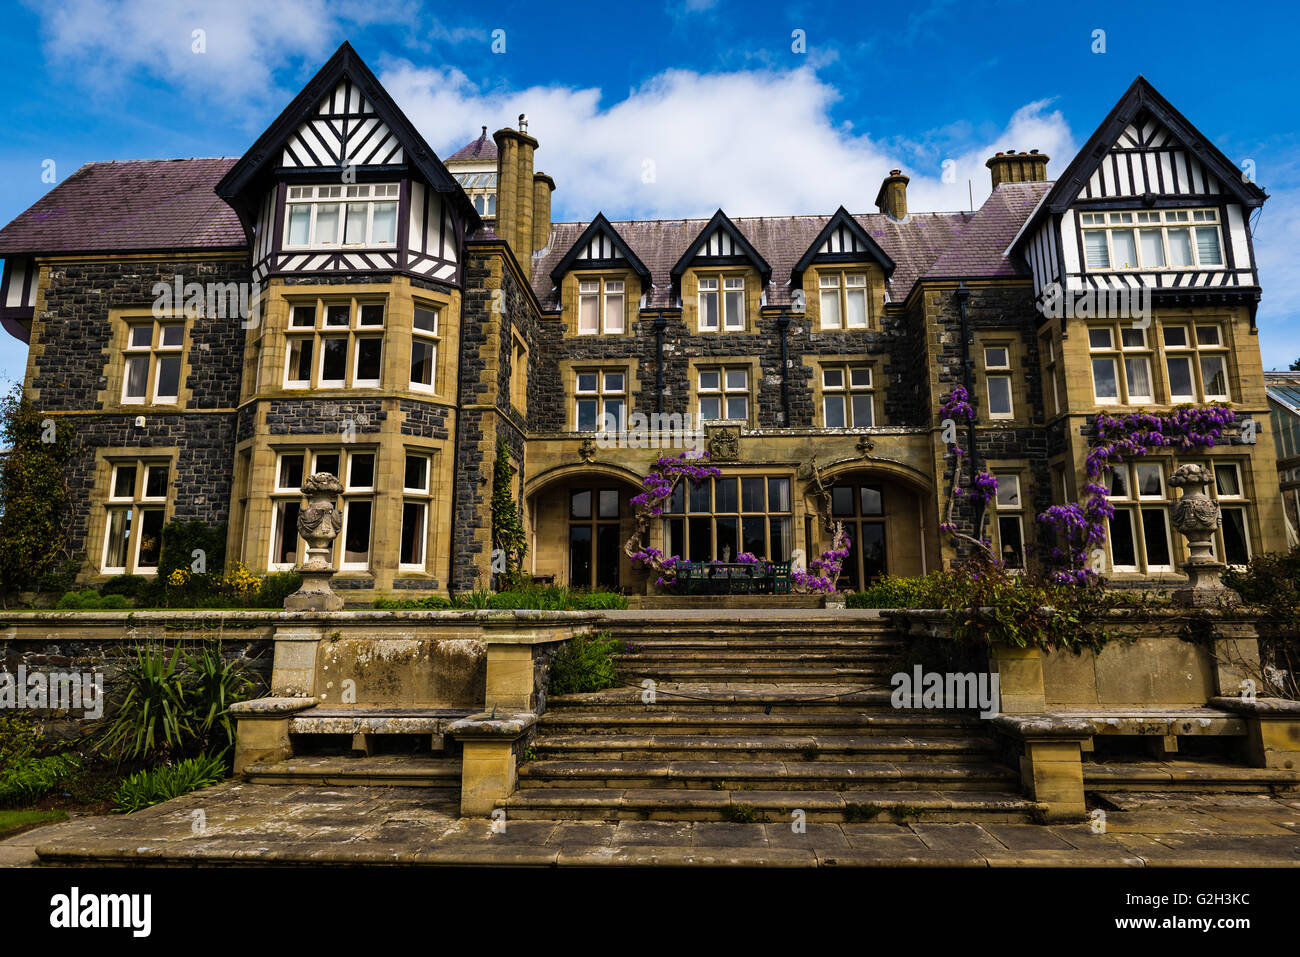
pixel 1152 239
pixel 726 304
pixel 600 307
pixel 360 215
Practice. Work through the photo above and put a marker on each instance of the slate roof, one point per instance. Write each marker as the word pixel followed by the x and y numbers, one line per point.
pixel 913 244
pixel 980 251
pixel 133 205
pixel 481 150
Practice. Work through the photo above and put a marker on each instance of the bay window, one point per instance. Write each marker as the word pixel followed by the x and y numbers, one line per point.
pixel 334 344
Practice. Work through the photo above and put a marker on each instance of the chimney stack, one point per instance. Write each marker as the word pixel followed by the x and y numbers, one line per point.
pixel 892 198
pixel 516 190
pixel 1013 167
pixel 543 186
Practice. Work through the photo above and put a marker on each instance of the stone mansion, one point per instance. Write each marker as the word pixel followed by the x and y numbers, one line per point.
pixel 341 299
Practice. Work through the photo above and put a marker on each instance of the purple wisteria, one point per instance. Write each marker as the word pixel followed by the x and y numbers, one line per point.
pixel 1080 528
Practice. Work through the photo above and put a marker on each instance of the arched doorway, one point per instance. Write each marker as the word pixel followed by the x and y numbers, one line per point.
pixel 889 517
pixel 579 519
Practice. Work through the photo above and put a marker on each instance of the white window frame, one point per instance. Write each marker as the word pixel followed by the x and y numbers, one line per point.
pixel 134 504
pixel 152 355
pixel 992 372
pixel 842 286
pixel 431 338
pixel 602 396
pixel 724 392
pixel 371 196
pixel 416 496
pixel 1162 221
pixel 846 391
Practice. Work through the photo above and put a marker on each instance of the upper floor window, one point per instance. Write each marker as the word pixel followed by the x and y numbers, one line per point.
pixel 724 394
pixel 601 401
pixel 725 304
pixel 846 397
pixel 135 512
pixel 482 189
pixel 151 372
pixel 1121 364
pixel 1152 239
pixel 843 300
pixel 424 349
pixel 415 512
pixel 600 306
pixel 364 214
pixel 1196 359
pixel 997 376
pixel 334 344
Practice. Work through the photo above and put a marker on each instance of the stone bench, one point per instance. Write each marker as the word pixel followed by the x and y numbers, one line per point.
pixel 364 723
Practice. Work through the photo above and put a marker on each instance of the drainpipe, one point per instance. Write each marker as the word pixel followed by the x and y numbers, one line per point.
pixel 963 294
pixel 783 324
pixel 660 324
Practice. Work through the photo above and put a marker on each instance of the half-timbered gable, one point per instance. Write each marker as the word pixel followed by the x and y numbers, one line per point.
pixel 1148 202
pixel 343 183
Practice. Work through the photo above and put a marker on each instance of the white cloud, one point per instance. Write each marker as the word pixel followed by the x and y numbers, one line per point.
pixel 1276 237
pixel 754 142
pixel 110 43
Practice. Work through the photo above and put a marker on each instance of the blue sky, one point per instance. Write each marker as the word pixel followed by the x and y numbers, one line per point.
pixel 674 109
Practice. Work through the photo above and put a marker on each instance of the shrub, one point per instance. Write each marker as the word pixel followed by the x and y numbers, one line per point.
pixel 128 585
pixel 33 495
pixel 179 541
pixel 890 592
pixel 585 663
pixel 90 600
pixel 428 602
pixel 155 785
pixel 152 718
pixel 177 704
pixel 1271 581
pixel 276 587
pixel 29 778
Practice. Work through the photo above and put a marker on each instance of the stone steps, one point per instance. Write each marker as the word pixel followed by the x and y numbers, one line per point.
pixel 755 654
pixel 787 673
pixel 567 721
pixel 747 696
pixel 806 748
pixel 884 804
pixel 386 770
pixel 1186 775
pixel 755 774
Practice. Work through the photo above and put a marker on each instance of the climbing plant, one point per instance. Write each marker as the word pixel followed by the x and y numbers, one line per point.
pixel 984 486
pixel 507 529
pixel 1079 529
pixel 657 488
pixel 33 492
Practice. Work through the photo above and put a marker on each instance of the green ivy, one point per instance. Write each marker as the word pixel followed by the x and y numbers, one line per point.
pixel 33 493
pixel 507 529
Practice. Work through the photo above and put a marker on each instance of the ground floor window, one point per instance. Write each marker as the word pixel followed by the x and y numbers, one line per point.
pixel 720 518
pixel 1139 533
pixel 356 470
pixel 135 513
pixel 861 508
pixel 594 538
pixel 1010 520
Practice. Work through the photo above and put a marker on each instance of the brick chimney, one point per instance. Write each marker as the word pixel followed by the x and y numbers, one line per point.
pixel 543 186
pixel 1013 167
pixel 516 189
pixel 892 198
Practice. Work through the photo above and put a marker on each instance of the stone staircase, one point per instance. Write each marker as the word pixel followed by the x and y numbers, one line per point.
pixel 756 716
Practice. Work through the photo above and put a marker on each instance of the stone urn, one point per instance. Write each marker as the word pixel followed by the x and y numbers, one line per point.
pixel 1196 516
pixel 318 525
